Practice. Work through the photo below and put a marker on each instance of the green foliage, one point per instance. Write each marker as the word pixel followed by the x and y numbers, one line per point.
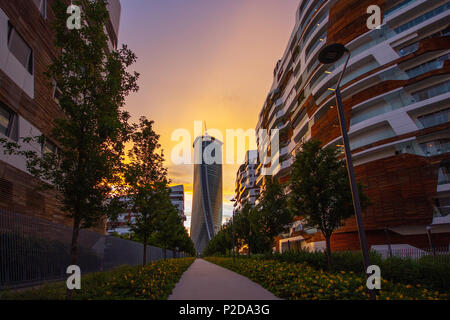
pixel 320 189
pixel 158 221
pixel 273 215
pixel 92 128
pixel 429 272
pixel 222 243
pixel 258 226
pixel 299 281
pixel 154 281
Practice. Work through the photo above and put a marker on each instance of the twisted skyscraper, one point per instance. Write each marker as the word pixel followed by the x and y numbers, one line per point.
pixel 207 198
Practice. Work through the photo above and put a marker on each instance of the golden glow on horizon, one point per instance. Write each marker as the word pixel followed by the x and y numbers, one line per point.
pixel 204 60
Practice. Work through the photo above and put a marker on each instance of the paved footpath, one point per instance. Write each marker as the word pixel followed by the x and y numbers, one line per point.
pixel 204 280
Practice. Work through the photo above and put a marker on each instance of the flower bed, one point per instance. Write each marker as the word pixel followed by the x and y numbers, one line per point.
pixel 300 281
pixel 154 281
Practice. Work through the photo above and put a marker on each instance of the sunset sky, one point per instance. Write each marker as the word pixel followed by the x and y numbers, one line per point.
pixel 206 60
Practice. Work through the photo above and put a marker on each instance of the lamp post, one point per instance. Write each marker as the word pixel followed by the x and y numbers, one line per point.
pixel 328 55
pixel 232 231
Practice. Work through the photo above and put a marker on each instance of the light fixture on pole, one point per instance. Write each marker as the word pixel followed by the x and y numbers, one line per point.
pixel 328 55
pixel 232 230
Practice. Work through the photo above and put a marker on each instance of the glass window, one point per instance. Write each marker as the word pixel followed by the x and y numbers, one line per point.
pixel 5 119
pixel 431 91
pixel 19 48
pixel 49 146
pixel 8 122
pixel 433 148
pixel 444 173
pixel 56 91
pixel 436 118
pixel 311 13
pixel 422 18
pixel 428 66
pixel 322 38
pixel 397 7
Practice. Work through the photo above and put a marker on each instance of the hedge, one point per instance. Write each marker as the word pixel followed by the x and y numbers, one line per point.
pixel 430 272
pixel 300 281
pixel 154 281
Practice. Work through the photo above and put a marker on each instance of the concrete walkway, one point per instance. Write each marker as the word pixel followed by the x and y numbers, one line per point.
pixel 207 281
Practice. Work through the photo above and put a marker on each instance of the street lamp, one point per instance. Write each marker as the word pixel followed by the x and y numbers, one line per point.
pixel 232 230
pixel 328 55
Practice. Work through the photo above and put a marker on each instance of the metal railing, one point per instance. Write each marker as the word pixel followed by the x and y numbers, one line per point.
pixel 34 250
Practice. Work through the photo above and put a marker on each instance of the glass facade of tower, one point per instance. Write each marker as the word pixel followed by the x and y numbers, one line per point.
pixel 207 197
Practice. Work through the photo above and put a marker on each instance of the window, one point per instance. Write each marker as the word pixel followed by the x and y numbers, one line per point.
pixel 443 207
pixel 397 7
pixel 431 91
pixel 422 18
pixel 409 49
pixel 415 46
pixel 49 146
pixel 57 93
pixel 42 7
pixel 8 122
pixel 444 173
pixel 437 147
pixel 19 48
pixel 428 66
pixel 435 118
pixel 322 38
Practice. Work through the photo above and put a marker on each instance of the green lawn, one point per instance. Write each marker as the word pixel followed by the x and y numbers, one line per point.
pixel 300 281
pixel 154 281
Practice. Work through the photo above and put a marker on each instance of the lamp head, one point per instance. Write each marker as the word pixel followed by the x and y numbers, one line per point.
pixel 332 53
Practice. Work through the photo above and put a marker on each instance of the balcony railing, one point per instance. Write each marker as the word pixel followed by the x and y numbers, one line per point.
pixel 422 18
pixel 398 7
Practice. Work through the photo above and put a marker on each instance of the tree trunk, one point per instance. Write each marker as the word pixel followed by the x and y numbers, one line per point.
pixel 330 264
pixel 165 253
pixel 145 252
pixel 73 250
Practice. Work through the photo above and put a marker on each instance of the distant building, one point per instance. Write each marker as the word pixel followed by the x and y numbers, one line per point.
pixel 177 198
pixel 246 188
pixel 207 198
pixel 122 224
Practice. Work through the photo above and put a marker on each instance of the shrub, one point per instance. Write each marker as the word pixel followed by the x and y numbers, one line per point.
pixel 430 272
pixel 153 281
pixel 300 281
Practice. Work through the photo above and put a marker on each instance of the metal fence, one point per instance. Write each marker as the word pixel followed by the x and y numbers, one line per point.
pixel 416 253
pixel 33 250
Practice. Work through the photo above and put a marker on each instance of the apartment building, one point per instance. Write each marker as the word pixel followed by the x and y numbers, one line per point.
pixel 397 105
pixel 246 190
pixel 121 225
pixel 28 103
pixel 177 198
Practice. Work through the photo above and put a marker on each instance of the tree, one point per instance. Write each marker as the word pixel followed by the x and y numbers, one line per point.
pixel 320 190
pixel 246 226
pixel 274 215
pixel 146 180
pixel 169 227
pixel 90 135
pixel 222 243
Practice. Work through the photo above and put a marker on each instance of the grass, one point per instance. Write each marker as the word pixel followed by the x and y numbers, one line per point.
pixel 154 281
pixel 296 281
